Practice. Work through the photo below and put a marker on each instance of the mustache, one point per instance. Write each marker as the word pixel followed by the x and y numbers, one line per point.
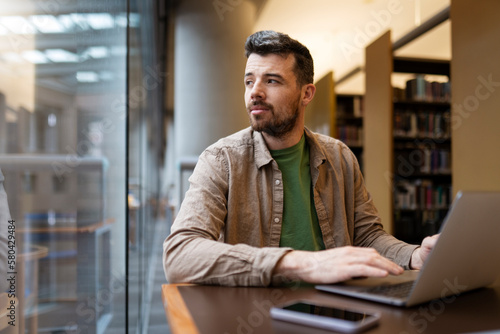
pixel 259 104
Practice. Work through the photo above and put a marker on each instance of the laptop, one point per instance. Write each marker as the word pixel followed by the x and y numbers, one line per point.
pixel 464 258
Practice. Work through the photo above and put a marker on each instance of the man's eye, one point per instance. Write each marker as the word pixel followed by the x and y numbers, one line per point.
pixel 272 81
pixel 248 82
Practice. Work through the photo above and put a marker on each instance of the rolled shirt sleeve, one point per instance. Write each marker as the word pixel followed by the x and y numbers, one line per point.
pixel 369 231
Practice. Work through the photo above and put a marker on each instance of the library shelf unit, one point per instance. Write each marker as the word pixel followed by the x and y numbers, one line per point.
pixel 407 142
pixel 422 149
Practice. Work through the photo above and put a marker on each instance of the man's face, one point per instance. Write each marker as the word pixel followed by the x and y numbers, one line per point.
pixel 272 95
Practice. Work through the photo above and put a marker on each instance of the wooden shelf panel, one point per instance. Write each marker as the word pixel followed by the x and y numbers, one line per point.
pixel 430 106
pixel 421 66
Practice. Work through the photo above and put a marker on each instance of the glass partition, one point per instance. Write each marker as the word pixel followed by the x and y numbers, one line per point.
pixel 64 127
pixel 148 213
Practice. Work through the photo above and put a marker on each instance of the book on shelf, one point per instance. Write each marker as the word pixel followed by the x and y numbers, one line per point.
pixel 422 124
pixel 351 135
pixel 358 106
pixel 421 195
pixel 436 161
pixel 350 106
pixel 422 90
pixel 422 160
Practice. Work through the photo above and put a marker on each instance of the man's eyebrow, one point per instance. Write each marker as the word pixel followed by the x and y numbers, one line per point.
pixel 276 75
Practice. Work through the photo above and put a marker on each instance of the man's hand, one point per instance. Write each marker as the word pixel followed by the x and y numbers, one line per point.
pixel 335 265
pixel 420 254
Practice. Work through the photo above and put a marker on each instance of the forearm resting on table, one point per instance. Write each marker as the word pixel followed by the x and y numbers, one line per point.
pixel 203 261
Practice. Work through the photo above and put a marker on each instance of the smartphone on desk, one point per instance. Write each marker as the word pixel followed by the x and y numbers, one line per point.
pixel 325 317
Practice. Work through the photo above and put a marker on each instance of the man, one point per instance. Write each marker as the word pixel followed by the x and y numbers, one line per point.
pixel 276 202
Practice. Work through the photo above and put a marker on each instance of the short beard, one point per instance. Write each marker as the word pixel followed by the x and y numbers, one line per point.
pixel 277 128
pixel 281 128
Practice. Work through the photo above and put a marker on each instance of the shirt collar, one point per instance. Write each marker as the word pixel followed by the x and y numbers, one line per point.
pixel 318 156
pixel 263 156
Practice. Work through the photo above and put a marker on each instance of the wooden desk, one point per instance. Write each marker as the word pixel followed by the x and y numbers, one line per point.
pixel 193 309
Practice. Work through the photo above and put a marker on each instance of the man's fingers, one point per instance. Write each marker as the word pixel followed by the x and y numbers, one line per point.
pixel 386 265
pixel 391 267
pixel 362 270
pixel 372 258
pixel 429 242
pixel 335 265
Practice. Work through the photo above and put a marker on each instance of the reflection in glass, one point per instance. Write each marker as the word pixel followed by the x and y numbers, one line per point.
pixel 63 151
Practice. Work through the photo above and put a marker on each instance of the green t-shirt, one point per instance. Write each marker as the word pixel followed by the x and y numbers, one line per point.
pixel 300 227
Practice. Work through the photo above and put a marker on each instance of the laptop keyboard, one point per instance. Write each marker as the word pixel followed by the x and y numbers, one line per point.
pixel 400 290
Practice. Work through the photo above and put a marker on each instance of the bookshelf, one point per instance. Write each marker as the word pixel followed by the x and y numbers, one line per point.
pixel 407 141
pixel 422 149
pixel 349 123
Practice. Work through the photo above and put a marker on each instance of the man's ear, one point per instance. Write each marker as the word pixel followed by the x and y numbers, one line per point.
pixel 308 90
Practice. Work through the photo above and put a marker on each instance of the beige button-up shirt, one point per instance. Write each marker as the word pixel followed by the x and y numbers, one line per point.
pixel 228 228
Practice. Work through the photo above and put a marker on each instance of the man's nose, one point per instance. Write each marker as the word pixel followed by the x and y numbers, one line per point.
pixel 258 91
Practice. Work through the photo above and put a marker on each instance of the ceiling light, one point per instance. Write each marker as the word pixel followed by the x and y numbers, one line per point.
pixel 121 20
pixel 100 21
pixel 61 56
pixel 67 22
pixel 96 52
pixel 47 24
pixel 34 57
pixel 80 20
pixel 133 20
pixel 87 76
pixel 18 25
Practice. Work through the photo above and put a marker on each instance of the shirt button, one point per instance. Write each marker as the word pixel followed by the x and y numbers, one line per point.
pixel 276 220
pixel 277 182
